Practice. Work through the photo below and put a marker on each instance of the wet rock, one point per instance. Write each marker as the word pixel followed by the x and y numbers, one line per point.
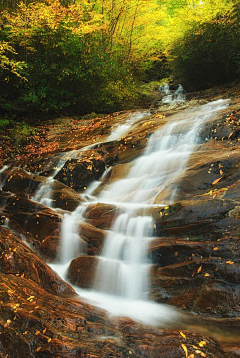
pixel 36 222
pixel 18 181
pixel 66 198
pixel 191 274
pixel 201 216
pixel 210 171
pixel 101 215
pixel 78 174
pixel 21 183
pixel 82 270
pixel 42 224
pixel 35 323
pixel 18 208
pixel 50 246
pixel 19 260
pixel 93 237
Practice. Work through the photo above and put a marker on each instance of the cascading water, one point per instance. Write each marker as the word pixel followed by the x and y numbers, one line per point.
pixel 43 194
pixel 71 242
pixel 122 129
pixel 172 97
pixel 122 279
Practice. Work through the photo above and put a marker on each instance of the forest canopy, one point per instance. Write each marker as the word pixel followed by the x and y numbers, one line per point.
pixel 77 56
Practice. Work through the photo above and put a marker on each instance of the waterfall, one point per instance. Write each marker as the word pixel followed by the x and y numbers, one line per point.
pixel 43 194
pixel 122 277
pixel 122 129
pixel 123 267
pixel 172 97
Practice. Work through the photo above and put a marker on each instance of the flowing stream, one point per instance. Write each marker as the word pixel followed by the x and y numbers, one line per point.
pixel 122 277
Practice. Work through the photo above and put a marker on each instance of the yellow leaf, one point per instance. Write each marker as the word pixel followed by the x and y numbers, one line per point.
pixel 183 335
pixel 206 275
pixel 202 344
pixel 216 181
pixel 230 262
pixel 216 249
pixel 199 269
pixel 185 350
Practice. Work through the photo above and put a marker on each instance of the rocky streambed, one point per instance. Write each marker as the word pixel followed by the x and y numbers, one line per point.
pixel 194 250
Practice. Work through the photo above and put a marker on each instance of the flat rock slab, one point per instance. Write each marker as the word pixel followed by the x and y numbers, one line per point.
pixel 35 323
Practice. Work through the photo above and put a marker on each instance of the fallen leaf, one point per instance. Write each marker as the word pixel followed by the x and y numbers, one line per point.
pixel 216 181
pixel 183 335
pixel 185 350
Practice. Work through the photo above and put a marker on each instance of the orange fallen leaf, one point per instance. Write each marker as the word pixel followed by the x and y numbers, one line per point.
pixel 216 181
pixel 183 335
pixel 185 350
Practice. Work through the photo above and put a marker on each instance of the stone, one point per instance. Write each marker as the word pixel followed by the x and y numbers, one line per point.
pixel 82 270
pixel 101 215
pixel 17 259
pixel 79 173
pixel 93 237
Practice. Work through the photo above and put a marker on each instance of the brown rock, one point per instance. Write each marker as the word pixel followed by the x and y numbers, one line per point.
pixel 18 259
pixel 66 198
pixel 101 215
pixel 202 215
pixel 78 174
pixel 35 323
pixel 36 222
pixel 93 236
pixel 18 181
pixel 82 271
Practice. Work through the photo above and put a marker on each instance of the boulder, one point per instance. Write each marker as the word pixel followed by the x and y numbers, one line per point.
pixel 79 173
pixel 203 215
pixel 18 259
pixel 21 183
pixel 82 271
pixel 93 237
pixel 187 273
pixel 101 215
pixel 18 181
pixel 36 222
pixel 36 324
